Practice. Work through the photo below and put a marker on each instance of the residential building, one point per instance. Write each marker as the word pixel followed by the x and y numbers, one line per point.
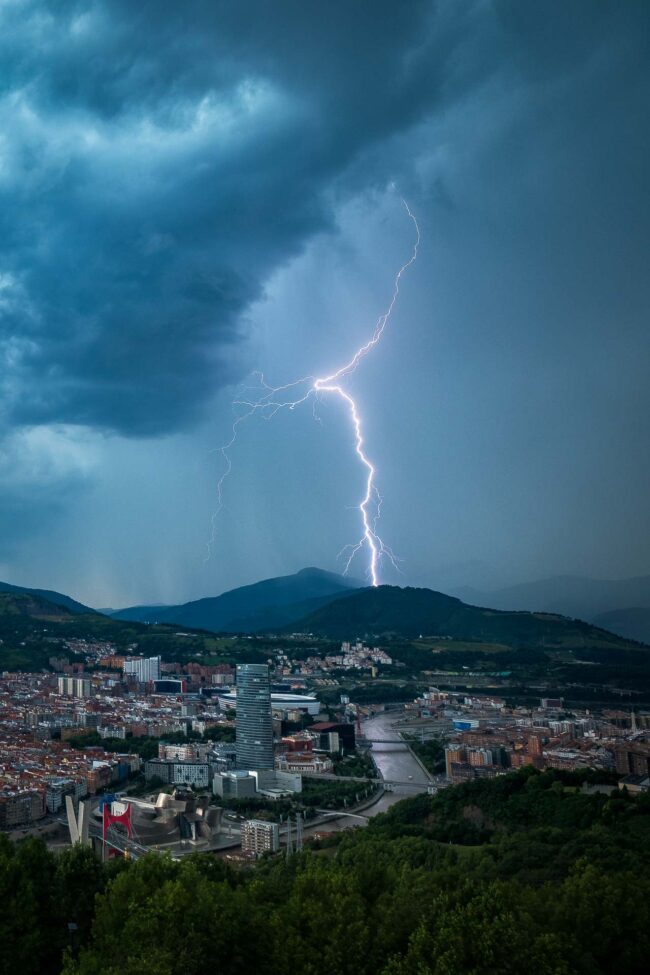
pixel 259 836
pixel 75 686
pixel 454 754
pixel 21 807
pixel 633 758
pixel 193 773
pixel 144 669
pixel 236 784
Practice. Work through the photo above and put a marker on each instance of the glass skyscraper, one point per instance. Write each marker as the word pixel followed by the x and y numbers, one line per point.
pixel 254 722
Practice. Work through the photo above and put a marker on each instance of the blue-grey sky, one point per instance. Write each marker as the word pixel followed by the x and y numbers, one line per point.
pixel 191 191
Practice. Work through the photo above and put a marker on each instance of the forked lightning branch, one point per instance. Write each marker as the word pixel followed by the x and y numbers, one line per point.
pixel 272 399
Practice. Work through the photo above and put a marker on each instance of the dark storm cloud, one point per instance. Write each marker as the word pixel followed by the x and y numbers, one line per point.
pixel 158 162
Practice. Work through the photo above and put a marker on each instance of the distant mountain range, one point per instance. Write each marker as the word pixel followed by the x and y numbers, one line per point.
pixel 333 606
pixel 269 605
pixel 576 596
pixel 622 605
pixel 317 601
pixel 275 604
pixel 631 623
pixel 314 601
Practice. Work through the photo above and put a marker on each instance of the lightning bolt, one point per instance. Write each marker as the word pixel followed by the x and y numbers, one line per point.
pixel 269 400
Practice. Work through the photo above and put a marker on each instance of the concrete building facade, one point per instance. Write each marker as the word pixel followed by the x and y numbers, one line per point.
pixel 75 686
pixel 144 669
pixel 259 836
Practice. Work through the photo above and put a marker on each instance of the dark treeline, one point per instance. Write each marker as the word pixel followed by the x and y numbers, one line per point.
pixel 525 873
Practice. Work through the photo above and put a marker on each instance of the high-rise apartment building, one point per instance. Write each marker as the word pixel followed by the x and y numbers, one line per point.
pixel 144 669
pixel 259 836
pixel 254 723
pixel 75 686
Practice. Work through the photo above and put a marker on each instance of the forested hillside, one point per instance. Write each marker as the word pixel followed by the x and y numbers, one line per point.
pixel 32 629
pixel 522 874
pixel 409 613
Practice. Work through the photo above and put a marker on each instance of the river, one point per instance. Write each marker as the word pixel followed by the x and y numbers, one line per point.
pixel 395 762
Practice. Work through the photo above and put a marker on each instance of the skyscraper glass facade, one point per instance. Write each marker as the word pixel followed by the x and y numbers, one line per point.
pixel 254 722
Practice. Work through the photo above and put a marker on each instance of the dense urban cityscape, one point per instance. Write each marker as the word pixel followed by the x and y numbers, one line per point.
pixel 238 739
pixel 281 771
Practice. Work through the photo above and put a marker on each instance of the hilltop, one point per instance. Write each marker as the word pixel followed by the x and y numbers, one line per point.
pixel 523 873
pixel 262 607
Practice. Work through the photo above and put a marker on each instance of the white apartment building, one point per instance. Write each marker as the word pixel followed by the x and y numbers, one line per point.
pixel 75 686
pixel 259 836
pixel 144 669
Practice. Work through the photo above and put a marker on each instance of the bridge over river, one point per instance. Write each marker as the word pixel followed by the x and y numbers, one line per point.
pixel 393 758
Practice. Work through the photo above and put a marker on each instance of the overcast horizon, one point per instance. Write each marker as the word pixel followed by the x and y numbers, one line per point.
pixel 194 192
